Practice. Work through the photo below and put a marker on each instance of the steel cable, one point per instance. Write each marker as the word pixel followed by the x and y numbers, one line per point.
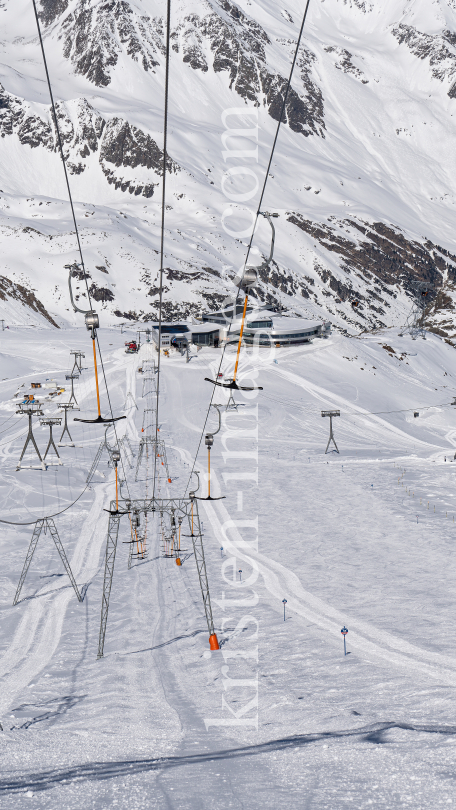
pixel 281 118
pixel 162 235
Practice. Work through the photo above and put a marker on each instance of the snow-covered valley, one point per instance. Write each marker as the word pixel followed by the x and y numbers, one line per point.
pixel 362 539
pixel 299 543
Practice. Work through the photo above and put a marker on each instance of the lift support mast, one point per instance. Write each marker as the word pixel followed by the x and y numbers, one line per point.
pixel 187 507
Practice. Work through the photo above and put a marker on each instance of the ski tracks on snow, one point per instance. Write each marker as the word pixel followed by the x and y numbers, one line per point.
pixel 35 640
pixel 365 639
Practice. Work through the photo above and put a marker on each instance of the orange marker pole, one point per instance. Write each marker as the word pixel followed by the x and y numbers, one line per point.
pixel 96 375
pixel 117 495
pixel 240 338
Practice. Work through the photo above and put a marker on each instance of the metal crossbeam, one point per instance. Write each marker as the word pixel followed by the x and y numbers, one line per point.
pixel 40 525
pixel 148 421
pixel 149 386
pixel 77 360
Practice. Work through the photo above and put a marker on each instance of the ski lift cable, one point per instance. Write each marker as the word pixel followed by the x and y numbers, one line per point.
pixel 162 233
pixel 361 415
pixel 59 139
pixel 46 517
pixel 214 387
pixel 112 415
pixel 7 420
pixel 90 316
pixel 281 117
pixel 8 441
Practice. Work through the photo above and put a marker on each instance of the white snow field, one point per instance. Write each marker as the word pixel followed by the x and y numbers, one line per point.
pixel 364 538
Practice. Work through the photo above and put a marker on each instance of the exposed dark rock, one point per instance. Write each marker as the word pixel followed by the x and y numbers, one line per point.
pixel 94 36
pixel 345 63
pixel 9 289
pixel 378 251
pixel 84 131
pixel 438 49
pixel 101 293
pixel 51 9
pixel 211 271
pixel 124 145
pixel 129 316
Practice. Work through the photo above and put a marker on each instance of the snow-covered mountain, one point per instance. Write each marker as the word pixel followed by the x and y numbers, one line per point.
pixel 363 176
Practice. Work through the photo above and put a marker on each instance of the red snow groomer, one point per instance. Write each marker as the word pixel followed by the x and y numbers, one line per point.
pixel 132 347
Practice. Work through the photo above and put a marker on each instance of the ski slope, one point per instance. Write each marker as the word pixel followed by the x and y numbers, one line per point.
pixel 345 538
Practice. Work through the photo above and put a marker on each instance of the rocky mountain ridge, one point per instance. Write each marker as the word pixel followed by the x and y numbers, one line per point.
pixel 365 197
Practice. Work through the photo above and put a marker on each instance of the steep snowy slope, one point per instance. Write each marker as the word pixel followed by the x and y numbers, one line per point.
pixel 363 176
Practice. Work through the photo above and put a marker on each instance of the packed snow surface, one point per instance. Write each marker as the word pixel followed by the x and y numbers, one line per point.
pixel 363 538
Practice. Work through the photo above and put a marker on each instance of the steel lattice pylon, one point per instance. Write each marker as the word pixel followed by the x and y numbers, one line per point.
pixel 158 447
pixel 149 386
pixel 40 525
pixel 186 507
pixel 110 558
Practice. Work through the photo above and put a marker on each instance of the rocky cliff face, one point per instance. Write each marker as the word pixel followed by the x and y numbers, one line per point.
pixel 361 176
pixel 221 38
pixel 118 146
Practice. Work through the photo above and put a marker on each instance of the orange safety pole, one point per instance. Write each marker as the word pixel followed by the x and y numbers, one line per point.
pixel 96 375
pixel 209 471
pixel 117 495
pixel 240 337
